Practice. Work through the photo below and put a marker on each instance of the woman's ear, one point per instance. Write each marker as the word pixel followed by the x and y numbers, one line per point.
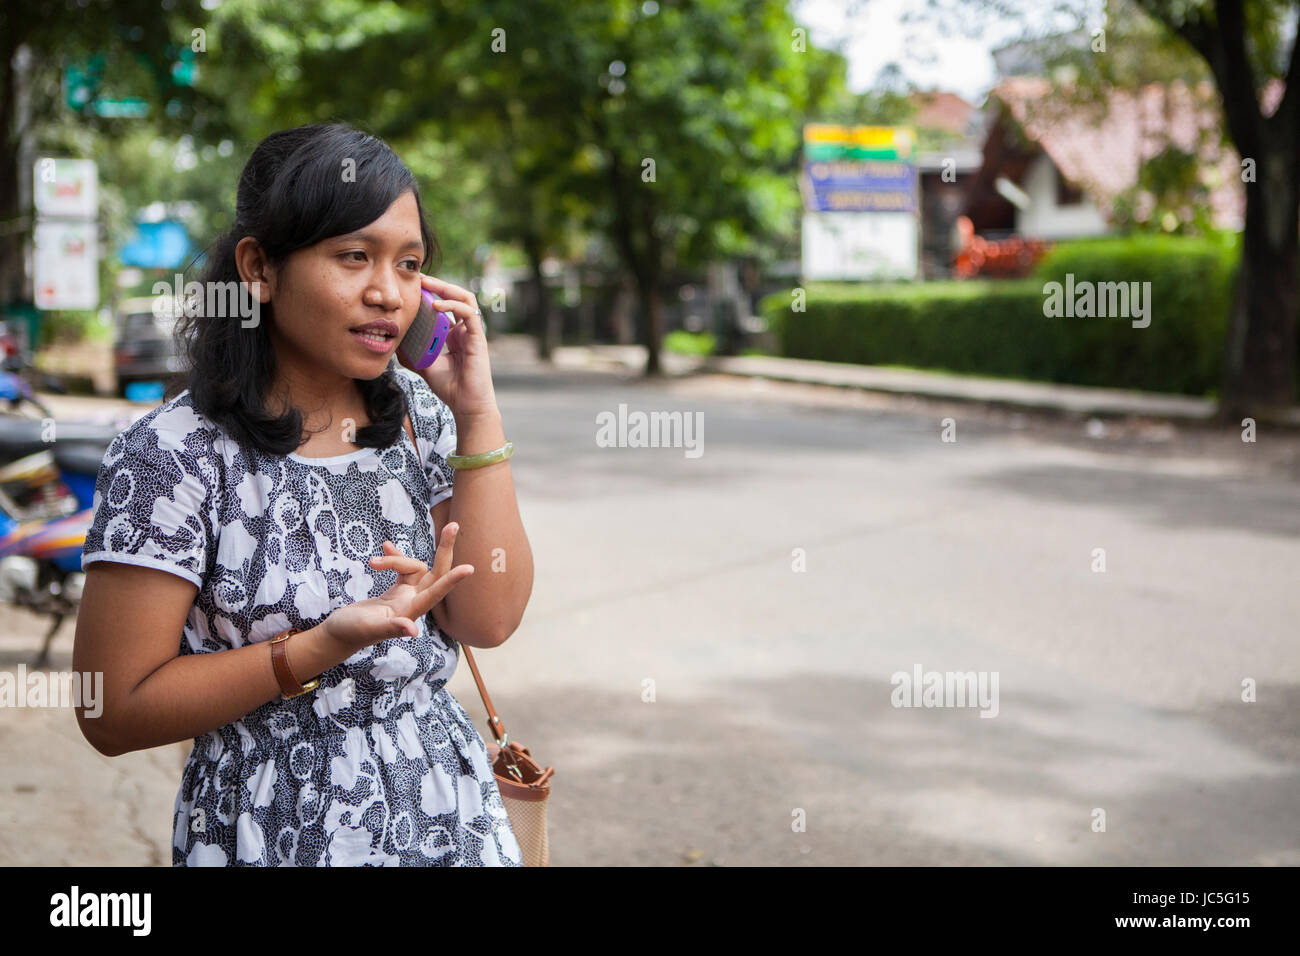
pixel 253 268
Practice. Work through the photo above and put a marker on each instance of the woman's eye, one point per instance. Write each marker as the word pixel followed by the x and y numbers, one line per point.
pixel 413 264
pixel 353 253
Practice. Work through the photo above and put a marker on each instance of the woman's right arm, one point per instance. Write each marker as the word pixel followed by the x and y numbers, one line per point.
pixel 129 629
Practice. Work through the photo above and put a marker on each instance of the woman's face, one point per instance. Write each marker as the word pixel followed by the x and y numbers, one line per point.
pixel 325 293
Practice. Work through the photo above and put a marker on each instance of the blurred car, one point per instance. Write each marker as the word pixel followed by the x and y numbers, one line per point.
pixel 144 347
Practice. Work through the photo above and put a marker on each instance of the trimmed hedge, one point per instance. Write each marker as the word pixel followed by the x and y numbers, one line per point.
pixel 999 328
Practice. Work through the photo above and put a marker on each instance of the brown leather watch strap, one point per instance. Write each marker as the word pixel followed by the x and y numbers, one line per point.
pixel 290 686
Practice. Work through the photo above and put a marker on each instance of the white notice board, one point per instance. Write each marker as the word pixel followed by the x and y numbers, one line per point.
pixel 67 265
pixel 65 188
pixel 859 245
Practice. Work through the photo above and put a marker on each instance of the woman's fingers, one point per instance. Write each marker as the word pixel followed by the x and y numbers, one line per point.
pixel 399 563
pixel 445 289
pixel 434 584
pixel 446 542
pixel 430 584
pixel 429 595
pixel 461 303
pixel 469 318
pixel 394 560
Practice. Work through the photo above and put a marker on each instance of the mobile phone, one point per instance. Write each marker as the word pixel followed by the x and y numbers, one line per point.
pixel 424 339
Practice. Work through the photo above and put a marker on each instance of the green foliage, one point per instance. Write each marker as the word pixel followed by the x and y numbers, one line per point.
pixel 690 343
pixel 1170 196
pixel 1190 298
pixel 1000 329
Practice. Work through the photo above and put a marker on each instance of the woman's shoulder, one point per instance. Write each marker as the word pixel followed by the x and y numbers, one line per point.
pixel 157 497
pixel 429 413
pixel 415 386
pixel 176 423
pixel 173 434
pixel 435 429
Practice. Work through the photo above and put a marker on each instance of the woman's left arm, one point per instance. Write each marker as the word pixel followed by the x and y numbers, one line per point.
pixel 484 609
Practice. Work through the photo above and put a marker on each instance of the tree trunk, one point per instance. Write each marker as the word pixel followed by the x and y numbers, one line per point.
pixel 1260 353
pixel 11 231
pixel 652 329
pixel 1259 375
pixel 537 319
pixel 649 279
pixel 645 267
pixel 622 324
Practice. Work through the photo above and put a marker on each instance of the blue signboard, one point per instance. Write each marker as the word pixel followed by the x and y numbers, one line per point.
pixel 157 245
pixel 860 186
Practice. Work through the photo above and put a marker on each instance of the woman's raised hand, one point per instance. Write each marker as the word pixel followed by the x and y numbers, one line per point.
pixel 394 613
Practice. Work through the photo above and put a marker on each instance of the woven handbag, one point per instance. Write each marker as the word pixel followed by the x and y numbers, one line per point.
pixel 524 784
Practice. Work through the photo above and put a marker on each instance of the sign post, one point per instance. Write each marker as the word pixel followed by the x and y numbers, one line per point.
pixel 66 261
pixel 861 209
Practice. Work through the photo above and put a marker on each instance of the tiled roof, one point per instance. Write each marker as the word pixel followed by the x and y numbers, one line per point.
pixel 1101 151
pixel 945 111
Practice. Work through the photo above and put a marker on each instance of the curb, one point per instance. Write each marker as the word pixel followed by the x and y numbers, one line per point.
pixel 1028 396
pixel 1070 401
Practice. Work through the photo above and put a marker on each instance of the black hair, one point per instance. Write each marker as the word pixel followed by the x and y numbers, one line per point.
pixel 293 193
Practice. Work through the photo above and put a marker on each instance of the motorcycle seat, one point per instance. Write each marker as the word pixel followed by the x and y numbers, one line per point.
pixel 80 457
pixel 20 437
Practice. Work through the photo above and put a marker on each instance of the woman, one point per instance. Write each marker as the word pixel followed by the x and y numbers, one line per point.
pixel 218 527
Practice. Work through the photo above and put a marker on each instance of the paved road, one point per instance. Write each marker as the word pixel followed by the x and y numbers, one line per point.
pixel 1117 690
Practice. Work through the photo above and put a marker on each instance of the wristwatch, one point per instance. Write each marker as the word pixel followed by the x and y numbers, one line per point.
pixel 290 686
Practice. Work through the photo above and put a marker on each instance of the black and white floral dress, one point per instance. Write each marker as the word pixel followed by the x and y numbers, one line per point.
pixel 379 765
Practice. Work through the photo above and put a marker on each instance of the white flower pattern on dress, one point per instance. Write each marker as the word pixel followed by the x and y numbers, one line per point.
pixel 380 765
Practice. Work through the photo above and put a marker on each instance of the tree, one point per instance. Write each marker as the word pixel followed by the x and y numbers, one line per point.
pixel 1240 44
pixel 672 129
pixel 691 121
pixel 136 40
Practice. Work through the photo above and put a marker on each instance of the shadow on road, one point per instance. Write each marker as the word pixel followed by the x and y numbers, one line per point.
pixel 648 783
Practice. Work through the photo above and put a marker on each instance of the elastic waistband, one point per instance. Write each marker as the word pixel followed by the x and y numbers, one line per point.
pixel 284 723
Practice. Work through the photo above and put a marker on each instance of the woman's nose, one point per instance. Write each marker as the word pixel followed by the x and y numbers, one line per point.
pixel 386 293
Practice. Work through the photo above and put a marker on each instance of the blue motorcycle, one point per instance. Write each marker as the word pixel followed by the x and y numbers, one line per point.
pixel 15 390
pixel 41 544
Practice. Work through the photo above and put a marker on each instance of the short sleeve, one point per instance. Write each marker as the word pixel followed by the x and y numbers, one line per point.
pixel 154 497
pixel 435 433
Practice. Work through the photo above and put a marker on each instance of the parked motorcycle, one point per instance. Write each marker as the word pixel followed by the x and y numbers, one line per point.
pixel 28 473
pixel 40 553
pixel 15 389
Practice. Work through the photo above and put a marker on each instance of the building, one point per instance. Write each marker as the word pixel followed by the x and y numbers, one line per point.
pixel 1053 169
pixel 950 130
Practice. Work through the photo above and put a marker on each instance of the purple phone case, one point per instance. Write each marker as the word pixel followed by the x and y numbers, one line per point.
pixel 423 340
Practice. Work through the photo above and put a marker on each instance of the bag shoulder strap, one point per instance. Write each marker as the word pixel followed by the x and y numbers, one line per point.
pixel 494 719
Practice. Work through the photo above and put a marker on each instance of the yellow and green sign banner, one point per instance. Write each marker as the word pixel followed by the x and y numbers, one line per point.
pixel 824 142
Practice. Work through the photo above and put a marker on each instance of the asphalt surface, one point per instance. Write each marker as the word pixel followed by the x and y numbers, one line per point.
pixel 703 703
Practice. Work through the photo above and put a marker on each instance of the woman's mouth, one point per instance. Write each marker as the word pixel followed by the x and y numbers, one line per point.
pixel 375 340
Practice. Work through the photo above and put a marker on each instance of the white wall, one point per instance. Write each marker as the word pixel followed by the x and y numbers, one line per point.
pixel 1044 219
